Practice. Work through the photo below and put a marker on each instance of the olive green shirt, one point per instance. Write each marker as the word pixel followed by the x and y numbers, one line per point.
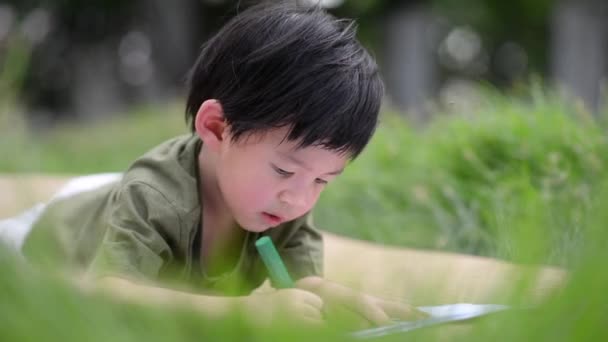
pixel 147 226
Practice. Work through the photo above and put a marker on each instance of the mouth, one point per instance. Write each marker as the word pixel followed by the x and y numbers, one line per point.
pixel 272 219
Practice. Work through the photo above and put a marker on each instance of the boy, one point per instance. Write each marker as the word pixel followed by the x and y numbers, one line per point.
pixel 280 100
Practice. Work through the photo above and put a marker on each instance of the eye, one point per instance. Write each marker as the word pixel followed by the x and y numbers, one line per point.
pixel 281 172
pixel 321 181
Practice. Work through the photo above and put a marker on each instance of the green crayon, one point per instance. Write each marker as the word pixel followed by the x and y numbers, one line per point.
pixel 275 266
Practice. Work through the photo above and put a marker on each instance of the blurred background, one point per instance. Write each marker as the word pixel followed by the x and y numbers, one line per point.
pixel 492 124
pixel 492 142
pixel 86 60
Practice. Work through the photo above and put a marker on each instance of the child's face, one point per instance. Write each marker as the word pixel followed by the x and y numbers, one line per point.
pixel 266 181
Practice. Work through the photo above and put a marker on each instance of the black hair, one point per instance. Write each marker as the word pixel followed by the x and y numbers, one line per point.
pixel 285 65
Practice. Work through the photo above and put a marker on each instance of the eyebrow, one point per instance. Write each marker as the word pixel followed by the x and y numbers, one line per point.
pixel 303 165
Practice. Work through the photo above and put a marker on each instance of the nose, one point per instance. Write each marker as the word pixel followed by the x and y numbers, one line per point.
pixel 297 198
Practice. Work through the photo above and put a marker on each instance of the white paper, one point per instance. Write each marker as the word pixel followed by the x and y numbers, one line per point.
pixel 438 314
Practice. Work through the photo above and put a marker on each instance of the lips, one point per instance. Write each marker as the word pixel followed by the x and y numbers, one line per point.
pixel 271 218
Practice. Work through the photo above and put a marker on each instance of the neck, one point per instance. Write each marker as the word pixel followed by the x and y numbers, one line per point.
pixel 209 190
pixel 221 236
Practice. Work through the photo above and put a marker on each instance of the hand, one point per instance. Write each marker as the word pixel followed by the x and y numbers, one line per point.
pixel 372 310
pixel 298 305
pixel 378 311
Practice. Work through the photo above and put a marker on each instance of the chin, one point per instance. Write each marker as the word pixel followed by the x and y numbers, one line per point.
pixel 256 227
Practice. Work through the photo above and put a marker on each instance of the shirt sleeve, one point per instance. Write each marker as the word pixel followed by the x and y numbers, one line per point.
pixel 139 233
pixel 302 249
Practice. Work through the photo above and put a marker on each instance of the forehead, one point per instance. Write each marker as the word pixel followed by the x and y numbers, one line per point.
pixel 275 142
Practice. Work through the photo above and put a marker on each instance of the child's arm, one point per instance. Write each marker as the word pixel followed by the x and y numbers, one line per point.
pixel 376 311
pixel 295 304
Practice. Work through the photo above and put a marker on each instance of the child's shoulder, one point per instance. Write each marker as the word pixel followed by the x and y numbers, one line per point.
pixel 171 148
pixel 170 170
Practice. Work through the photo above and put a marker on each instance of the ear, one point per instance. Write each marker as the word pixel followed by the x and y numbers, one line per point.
pixel 210 124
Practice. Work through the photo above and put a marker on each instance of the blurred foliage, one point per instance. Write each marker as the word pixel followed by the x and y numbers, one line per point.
pixel 13 66
pixel 471 183
pixel 517 179
pixel 467 183
pixel 76 148
pixel 513 41
pixel 39 305
pixel 521 21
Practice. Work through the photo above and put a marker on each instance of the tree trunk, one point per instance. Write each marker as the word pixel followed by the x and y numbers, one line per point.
pixel 580 49
pixel 410 68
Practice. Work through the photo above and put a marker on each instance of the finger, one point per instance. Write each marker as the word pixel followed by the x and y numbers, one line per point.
pixel 344 315
pixel 310 311
pixel 396 310
pixel 312 300
pixel 372 312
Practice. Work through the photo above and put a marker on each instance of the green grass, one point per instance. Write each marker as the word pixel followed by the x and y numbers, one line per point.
pixel 519 180
pixel 462 184
pixel 38 305
pixel 465 184
pixel 109 145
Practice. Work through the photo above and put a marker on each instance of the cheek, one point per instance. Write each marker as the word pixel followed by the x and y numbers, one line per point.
pixel 315 198
pixel 257 192
pixel 315 194
pixel 247 187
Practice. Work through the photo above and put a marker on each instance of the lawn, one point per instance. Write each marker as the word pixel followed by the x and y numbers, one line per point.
pixel 519 180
